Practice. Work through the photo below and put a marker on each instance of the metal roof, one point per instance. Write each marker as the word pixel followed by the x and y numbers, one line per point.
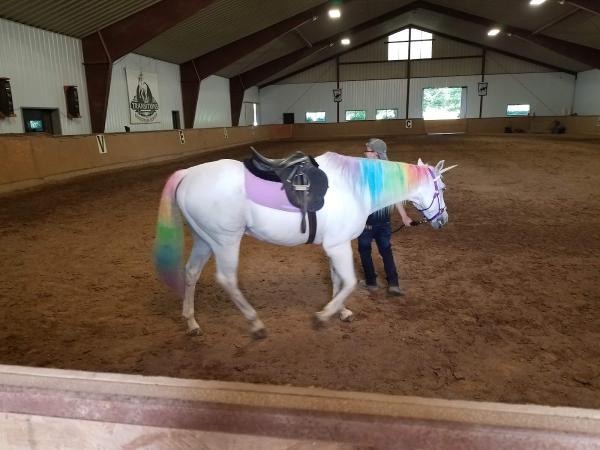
pixel 225 21
pixel 74 18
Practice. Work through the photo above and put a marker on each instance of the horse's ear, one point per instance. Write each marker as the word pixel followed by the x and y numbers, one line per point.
pixel 448 168
pixel 420 163
pixel 439 166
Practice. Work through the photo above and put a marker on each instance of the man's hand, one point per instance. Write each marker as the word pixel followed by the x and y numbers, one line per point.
pixel 407 221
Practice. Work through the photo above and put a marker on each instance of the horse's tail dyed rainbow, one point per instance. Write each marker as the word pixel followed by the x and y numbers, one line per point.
pixel 168 244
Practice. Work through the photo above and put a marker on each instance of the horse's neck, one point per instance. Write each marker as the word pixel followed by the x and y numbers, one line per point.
pixel 378 183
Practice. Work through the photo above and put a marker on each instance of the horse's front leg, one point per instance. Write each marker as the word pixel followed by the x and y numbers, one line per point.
pixel 336 281
pixel 227 263
pixel 343 265
pixel 200 254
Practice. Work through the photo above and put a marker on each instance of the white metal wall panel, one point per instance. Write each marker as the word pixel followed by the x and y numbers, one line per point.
pixel 298 99
pixel 372 95
pixel 377 51
pixel 445 67
pixel 169 94
pixel 373 71
pixel 213 108
pixel 418 84
pixel 587 93
pixel 317 74
pixel 247 113
pixel 496 63
pixel 443 47
pixel 549 94
pixel 39 64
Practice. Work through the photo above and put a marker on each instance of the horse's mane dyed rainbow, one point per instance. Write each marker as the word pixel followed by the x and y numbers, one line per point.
pixel 383 181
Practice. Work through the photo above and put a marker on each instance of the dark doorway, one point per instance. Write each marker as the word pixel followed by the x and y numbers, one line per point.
pixel 41 120
pixel 288 117
pixel 176 120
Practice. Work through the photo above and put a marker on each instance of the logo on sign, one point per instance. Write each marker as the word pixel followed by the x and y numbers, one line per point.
pixel 482 88
pixel 337 95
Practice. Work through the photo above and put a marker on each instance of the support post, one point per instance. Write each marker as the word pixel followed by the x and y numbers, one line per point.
pixel 408 75
pixel 337 79
pixel 482 79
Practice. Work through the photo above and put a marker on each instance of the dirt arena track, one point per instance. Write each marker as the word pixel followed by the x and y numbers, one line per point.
pixel 503 304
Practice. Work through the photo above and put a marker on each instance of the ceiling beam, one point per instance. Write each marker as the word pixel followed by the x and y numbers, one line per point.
pixel 434 32
pixel 502 52
pixel 556 21
pixel 587 55
pixel 103 47
pixel 592 6
pixel 329 58
pixel 220 58
pixel 254 76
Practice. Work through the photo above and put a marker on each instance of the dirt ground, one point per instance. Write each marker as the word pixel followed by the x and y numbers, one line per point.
pixel 503 304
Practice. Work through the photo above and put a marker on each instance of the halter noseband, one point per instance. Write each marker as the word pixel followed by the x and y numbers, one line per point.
pixel 436 195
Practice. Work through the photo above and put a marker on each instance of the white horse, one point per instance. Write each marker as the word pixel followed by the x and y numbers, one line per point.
pixel 214 202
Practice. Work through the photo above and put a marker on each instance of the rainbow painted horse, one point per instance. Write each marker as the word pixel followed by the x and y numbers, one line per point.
pixel 214 202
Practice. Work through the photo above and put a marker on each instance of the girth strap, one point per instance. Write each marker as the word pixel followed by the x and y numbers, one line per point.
pixel 312 226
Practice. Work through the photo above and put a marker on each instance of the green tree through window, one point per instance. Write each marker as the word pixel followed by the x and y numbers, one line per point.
pixel 442 103
pixel 356 115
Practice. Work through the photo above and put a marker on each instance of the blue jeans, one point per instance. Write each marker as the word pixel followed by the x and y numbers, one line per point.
pixel 382 233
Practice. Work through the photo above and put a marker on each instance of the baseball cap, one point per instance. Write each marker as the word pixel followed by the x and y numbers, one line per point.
pixel 379 147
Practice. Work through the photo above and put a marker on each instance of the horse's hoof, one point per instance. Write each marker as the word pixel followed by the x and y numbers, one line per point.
pixel 194 332
pixel 259 334
pixel 318 323
pixel 346 316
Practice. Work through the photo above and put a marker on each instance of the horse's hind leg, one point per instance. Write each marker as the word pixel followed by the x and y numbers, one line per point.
pixel 199 256
pixel 227 258
pixel 343 265
pixel 336 280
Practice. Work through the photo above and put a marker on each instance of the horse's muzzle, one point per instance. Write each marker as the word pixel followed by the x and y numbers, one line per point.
pixel 440 221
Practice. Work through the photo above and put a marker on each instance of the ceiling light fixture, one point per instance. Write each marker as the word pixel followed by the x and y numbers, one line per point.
pixel 335 13
pixel 536 2
pixel 345 41
pixel 494 32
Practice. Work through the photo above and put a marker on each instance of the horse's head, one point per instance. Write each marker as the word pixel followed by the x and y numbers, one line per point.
pixel 430 198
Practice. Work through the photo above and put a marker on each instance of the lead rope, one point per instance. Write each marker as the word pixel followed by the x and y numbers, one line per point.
pixel 414 223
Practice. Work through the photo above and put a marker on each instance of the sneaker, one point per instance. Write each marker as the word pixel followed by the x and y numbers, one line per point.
pixel 396 291
pixel 369 287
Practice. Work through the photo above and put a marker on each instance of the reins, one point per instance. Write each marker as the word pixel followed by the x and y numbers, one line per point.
pixel 414 223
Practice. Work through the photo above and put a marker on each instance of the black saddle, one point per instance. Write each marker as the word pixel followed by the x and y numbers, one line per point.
pixel 304 183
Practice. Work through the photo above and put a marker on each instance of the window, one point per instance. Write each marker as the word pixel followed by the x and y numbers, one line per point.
pixel 315 116
pixel 517 110
pixel 36 125
pixel 356 115
pixel 443 103
pixel 420 42
pixel 383 114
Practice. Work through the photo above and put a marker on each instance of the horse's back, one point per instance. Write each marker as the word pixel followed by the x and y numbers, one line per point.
pixel 211 197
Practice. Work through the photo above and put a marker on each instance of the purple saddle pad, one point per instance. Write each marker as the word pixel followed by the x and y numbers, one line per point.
pixel 267 193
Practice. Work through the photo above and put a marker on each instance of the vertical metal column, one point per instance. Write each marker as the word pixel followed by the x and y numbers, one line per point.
pixel 337 79
pixel 482 79
pixel 408 74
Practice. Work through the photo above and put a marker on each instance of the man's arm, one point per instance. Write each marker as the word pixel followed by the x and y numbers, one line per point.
pixel 406 220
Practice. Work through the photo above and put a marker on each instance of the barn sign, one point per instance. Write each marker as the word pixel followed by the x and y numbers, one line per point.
pixel 142 88
pixel 337 95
